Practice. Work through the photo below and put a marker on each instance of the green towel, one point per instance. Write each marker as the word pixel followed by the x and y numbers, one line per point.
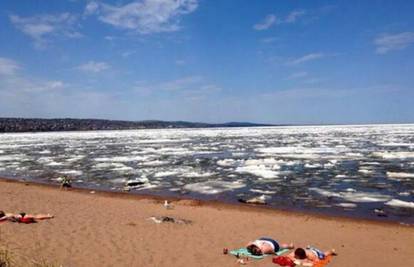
pixel 244 252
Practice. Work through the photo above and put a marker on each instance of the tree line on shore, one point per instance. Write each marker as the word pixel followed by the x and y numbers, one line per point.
pixel 67 124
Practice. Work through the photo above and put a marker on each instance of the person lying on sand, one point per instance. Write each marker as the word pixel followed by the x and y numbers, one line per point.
pixel 23 217
pixel 309 256
pixel 266 245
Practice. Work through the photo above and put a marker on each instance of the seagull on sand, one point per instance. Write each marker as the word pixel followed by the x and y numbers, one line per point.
pixel 167 205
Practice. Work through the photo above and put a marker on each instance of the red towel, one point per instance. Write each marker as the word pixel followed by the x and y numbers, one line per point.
pixel 283 261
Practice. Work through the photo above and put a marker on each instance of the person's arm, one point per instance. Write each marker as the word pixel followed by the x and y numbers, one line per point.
pixel 40 216
pixel 250 243
pixel 287 246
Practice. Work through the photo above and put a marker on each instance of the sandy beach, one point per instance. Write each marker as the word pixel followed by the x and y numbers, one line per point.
pixel 107 229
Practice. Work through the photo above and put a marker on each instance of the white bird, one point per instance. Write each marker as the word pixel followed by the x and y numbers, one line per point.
pixel 167 205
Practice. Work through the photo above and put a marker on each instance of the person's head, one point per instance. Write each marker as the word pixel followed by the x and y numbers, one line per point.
pixel 2 214
pixel 300 254
pixel 255 250
pixel 22 214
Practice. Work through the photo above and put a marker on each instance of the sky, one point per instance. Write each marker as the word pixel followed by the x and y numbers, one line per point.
pixel 265 61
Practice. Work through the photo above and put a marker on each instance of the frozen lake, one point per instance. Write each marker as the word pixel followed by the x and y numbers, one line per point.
pixel 348 170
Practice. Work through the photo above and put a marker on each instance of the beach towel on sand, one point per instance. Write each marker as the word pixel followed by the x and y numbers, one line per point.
pixel 319 263
pixel 323 262
pixel 245 253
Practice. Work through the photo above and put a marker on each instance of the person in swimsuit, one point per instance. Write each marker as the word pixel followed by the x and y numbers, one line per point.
pixel 23 217
pixel 310 255
pixel 265 245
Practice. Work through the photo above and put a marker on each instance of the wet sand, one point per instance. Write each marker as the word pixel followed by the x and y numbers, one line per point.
pixel 112 229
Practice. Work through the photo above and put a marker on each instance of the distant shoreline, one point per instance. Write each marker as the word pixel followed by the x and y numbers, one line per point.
pixel 27 125
pixel 12 125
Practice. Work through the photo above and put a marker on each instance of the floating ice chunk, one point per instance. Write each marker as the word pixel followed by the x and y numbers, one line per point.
pixel 364 197
pixel 238 154
pixel 365 171
pixel 107 165
pixel 54 163
pixel 45 160
pixel 394 155
pixel 266 161
pixel 404 193
pixel 313 166
pixel 154 163
pixel 147 186
pixel 174 151
pixel 328 165
pixel 1 151
pixel 400 203
pixel 228 163
pixel 324 192
pixel 213 187
pixel 16 157
pixel 158 141
pixel 122 169
pixel 198 174
pixel 121 159
pixel 400 175
pixel 346 205
pixel 371 163
pixel 258 170
pixel 118 181
pixel 165 174
pixel 268 192
pixel 397 144
pixel 71 172
pixel 341 176
pixel 353 196
pixel 75 158
pixel 46 151
pixel 280 150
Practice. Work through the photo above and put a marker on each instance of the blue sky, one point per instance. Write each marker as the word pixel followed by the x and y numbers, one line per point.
pixel 291 61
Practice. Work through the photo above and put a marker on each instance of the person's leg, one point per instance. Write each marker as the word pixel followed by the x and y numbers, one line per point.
pixel 41 216
pixel 331 252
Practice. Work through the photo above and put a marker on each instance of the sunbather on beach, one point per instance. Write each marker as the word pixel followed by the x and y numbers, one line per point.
pixel 266 245
pixel 23 217
pixel 310 255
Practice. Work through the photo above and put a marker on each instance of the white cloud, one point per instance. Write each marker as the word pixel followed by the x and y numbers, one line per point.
pixel 267 22
pixel 297 75
pixel 181 84
pixel 389 42
pixel 305 58
pixel 271 20
pixel 294 15
pixel 8 66
pixel 145 16
pixel 94 67
pixel 127 53
pixel 91 8
pixel 194 87
pixel 42 27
